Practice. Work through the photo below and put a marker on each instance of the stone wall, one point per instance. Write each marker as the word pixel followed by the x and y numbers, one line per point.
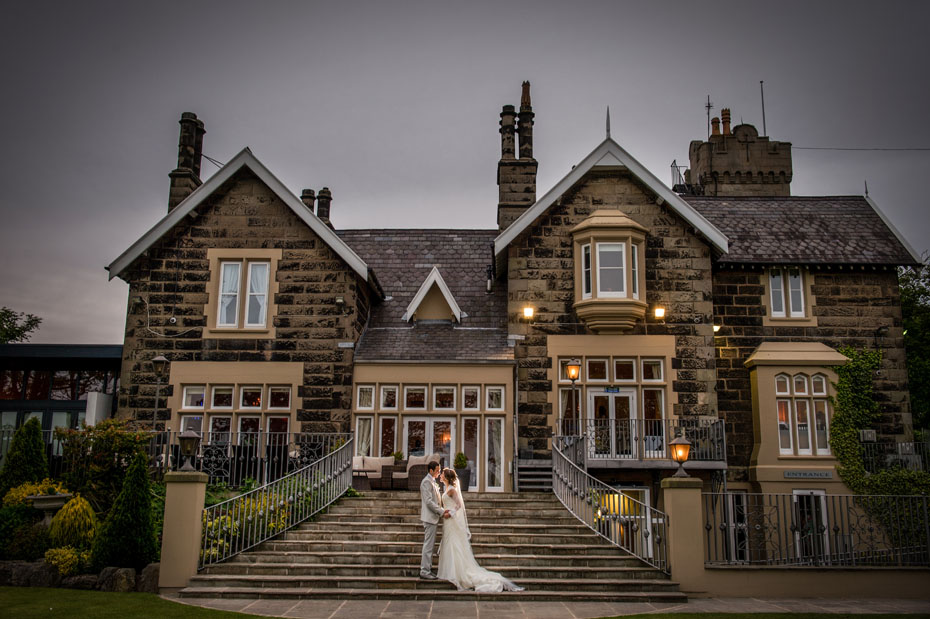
pixel 678 277
pixel 172 279
pixel 850 306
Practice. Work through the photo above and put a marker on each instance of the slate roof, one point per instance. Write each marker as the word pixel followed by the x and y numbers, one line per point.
pixel 803 230
pixel 401 260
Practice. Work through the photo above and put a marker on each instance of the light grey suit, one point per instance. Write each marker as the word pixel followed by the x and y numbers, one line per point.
pixel 430 513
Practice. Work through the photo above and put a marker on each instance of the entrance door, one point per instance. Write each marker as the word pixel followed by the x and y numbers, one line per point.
pixel 611 416
pixel 810 517
pixel 426 436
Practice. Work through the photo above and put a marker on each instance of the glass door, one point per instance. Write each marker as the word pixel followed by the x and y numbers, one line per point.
pixel 810 518
pixel 423 437
pixel 470 432
pixel 611 417
pixel 495 454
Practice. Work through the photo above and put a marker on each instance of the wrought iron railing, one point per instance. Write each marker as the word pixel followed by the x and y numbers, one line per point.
pixel 54 450
pixel 910 456
pixel 645 439
pixel 249 519
pixel 622 520
pixel 809 529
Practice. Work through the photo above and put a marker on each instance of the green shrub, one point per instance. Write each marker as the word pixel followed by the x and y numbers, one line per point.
pixel 17 495
pixel 398 456
pixel 460 462
pixel 127 538
pixel 13 518
pixel 74 524
pixel 28 543
pixel 68 560
pixel 25 461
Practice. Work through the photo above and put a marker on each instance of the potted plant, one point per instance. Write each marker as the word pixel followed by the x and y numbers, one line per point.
pixel 460 464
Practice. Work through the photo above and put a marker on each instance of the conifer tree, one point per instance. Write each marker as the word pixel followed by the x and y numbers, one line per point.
pixel 26 460
pixel 127 537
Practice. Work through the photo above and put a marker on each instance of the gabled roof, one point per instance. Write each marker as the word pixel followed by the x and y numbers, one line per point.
pixel 434 277
pixel 610 154
pixel 806 230
pixel 246 159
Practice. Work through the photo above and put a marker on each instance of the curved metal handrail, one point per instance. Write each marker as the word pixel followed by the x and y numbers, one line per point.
pixel 243 522
pixel 629 524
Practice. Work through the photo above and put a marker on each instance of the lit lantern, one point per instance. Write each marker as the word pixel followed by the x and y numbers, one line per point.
pixel 659 313
pixel 681 447
pixel 528 312
pixel 573 368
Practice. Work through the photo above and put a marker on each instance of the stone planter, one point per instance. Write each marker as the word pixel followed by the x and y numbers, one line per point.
pixel 49 504
pixel 464 476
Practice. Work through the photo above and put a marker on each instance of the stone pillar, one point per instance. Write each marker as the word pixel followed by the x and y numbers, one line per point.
pixel 183 528
pixel 682 500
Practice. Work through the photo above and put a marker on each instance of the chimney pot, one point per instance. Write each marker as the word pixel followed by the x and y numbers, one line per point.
pixel 715 126
pixel 308 197
pixel 725 117
pixel 508 117
pixel 525 124
pixel 323 201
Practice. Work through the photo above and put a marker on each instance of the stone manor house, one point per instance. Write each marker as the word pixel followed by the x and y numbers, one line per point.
pixel 714 310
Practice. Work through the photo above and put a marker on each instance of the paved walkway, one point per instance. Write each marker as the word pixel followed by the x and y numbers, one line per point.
pixel 373 609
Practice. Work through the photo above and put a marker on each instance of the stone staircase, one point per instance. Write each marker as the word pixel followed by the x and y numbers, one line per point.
pixel 534 475
pixel 369 548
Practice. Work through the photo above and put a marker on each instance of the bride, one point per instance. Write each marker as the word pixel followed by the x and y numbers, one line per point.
pixel 456 562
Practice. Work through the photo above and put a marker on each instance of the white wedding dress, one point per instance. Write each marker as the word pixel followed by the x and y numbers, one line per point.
pixel 456 561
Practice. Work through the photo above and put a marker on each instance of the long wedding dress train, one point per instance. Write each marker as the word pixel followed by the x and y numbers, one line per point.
pixel 457 563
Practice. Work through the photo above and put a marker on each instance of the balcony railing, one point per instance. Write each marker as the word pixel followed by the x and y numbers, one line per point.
pixel 638 440
pixel 910 456
pixel 816 530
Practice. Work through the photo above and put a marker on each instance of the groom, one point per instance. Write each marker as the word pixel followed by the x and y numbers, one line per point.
pixel 430 512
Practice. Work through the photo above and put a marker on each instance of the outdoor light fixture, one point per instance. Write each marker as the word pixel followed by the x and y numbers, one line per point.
pixel 681 447
pixel 190 441
pixel 160 367
pixel 528 312
pixel 573 369
pixel 660 313
pixel 716 328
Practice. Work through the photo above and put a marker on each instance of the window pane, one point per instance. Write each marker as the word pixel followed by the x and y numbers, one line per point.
pixel 444 397
pixel 279 425
pixel 193 397
pixel 222 397
pixel 249 424
pixel 568 409
pixel 220 428
pixel 610 276
pixel 92 381
pixel 586 270
pixel 415 397
pixel 784 426
pixel 634 267
pixel 8 422
pixel 495 398
pixel 38 384
pixel 11 384
pixel 804 429
pixel 388 397
pixel 796 292
pixel 652 408
pixel 819 385
pixel 470 448
pixel 388 434
pixel 228 314
pixel 366 397
pixel 442 440
pixel 470 398
pixel 777 289
pixel 192 422
pixel 495 462
pixel 624 369
pixel 416 438
pixel 63 385
pixel 652 370
pixel 251 397
pixel 821 426
pixel 280 397
pixel 781 385
pixel 800 385
pixel 258 293
pixel 597 369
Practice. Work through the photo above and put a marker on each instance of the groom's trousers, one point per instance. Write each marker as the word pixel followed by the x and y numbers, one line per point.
pixel 429 542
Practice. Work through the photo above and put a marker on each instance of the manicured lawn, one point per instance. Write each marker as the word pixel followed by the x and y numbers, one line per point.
pixel 760 616
pixel 25 602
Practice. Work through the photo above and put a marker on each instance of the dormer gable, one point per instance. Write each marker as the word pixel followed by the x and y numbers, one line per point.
pixel 433 301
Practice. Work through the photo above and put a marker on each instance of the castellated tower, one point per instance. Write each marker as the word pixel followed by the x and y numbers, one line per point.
pixel 740 162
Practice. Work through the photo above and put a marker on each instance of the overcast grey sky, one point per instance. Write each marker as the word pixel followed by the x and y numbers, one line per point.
pixel 394 106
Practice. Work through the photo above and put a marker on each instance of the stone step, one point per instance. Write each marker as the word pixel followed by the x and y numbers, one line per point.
pixel 514 519
pixel 477 528
pixel 306 593
pixel 287 545
pixel 410 582
pixel 412 558
pixel 474 513
pixel 377 536
pixel 410 570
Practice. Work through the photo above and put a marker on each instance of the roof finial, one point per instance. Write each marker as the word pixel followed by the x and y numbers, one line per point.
pixel 608 121
pixel 866 188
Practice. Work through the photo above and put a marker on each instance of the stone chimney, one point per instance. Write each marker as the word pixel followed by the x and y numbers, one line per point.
pixel 715 126
pixel 516 177
pixel 725 117
pixel 308 197
pixel 186 177
pixel 323 201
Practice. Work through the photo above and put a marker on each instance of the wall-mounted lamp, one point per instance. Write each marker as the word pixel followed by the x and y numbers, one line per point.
pixel 681 447
pixel 528 312
pixel 659 313
pixel 716 328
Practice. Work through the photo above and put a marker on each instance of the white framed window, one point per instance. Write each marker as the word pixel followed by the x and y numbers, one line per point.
pixel 228 310
pixel 782 385
pixel 257 302
pixel 803 421
pixel 363 426
pixel 625 370
pixel 569 412
pixel 387 435
pixel 822 427
pixel 471 398
pixel 800 384
pixel 634 271
pixel 389 398
pixel 597 371
pixel 471 431
pixel 365 398
pixel 220 429
pixel 611 275
pixel 193 397
pixel 414 398
pixel 444 398
pixel 586 271
pixel 495 398
pixel 786 293
pixel 819 384
pixel 803 411
pixel 494 459
pixel 279 398
pixel 249 428
pixel 222 398
pixel 652 371
pixel 192 422
pixel 250 397
pixel 784 427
